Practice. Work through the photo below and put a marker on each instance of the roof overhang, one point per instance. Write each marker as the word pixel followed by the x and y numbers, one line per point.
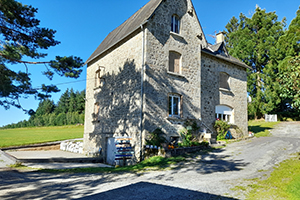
pixel 239 63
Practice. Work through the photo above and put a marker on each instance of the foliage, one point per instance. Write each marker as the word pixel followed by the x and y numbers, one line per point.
pixel 156 138
pixel 21 38
pixel 193 126
pixel 23 136
pixel 221 127
pixel 186 135
pixel 194 143
pixel 289 78
pixel 283 183
pixel 262 43
pixel 68 111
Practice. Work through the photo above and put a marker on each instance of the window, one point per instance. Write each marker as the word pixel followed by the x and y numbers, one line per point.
pixel 174 105
pixel 99 81
pixel 224 81
pixel 96 111
pixel 97 78
pixel 175 24
pixel 174 62
pixel 224 113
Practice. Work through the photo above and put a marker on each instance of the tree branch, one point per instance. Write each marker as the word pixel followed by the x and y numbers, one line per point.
pixel 20 61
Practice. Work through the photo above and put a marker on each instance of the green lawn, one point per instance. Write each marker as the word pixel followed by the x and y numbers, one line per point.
pixel 283 183
pixel 23 136
pixel 261 128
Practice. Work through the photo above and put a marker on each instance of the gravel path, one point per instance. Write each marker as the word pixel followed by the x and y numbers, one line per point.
pixel 208 176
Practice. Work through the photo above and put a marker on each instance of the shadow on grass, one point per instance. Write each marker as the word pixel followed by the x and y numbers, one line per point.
pixel 261 128
pixel 257 129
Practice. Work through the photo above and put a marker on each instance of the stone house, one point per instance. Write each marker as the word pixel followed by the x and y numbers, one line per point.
pixel 156 70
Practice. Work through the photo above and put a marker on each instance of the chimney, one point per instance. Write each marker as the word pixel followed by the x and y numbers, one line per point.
pixel 220 37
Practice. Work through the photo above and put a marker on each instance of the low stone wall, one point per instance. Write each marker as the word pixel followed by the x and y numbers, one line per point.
pixel 74 146
pixel 173 152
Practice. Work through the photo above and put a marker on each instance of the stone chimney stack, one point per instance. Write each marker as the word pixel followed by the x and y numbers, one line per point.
pixel 220 37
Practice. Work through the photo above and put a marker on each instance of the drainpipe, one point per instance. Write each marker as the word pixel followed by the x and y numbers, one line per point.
pixel 142 92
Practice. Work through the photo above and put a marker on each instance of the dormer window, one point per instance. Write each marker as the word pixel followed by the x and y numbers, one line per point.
pixel 175 24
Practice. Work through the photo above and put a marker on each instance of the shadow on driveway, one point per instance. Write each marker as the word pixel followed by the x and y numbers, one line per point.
pixel 151 191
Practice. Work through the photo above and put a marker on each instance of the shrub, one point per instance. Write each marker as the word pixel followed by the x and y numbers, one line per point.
pixel 156 138
pixel 186 135
pixel 221 127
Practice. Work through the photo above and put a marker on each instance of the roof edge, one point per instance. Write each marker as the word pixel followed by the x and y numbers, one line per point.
pixel 241 64
pixel 104 51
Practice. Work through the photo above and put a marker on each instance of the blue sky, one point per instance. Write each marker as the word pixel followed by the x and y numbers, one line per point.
pixel 82 25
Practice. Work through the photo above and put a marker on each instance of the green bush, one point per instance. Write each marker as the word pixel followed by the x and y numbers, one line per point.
pixel 186 135
pixel 221 127
pixel 156 138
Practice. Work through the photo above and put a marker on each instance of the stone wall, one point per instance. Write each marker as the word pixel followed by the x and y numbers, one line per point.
pixel 159 82
pixel 212 96
pixel 118 98
pixel 74 146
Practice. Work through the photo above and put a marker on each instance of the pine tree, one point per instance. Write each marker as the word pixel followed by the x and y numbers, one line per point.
pixel 22 38
pixel 45 107
pixel 253 40
pixel 63 103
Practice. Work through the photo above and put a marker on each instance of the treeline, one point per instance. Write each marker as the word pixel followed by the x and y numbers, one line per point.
pixel 273 51
pixel 69 110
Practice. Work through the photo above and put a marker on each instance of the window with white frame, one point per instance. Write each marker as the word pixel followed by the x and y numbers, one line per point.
pixel 174 105
pixel 174 62
pixel 224 113
pixel 175 24
pixel 224 81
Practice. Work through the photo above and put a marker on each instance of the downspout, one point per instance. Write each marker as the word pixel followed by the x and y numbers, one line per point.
pixel 142 93
pixel 200 81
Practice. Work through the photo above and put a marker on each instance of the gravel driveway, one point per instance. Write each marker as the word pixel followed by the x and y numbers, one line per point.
pixel 208 176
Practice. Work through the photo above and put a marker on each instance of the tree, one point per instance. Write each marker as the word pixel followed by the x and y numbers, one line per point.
pixel 253 40
pixel 63 103
pixel 45 107
pixel 22 38
pixel 80 101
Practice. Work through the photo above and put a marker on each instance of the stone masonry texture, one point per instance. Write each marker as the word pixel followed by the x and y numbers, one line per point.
pixel 120 100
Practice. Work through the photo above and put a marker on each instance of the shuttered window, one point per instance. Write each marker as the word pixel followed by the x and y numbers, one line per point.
pixel 174 62
pixel 224 81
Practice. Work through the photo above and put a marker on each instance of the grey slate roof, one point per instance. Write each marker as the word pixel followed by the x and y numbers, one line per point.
pixel 214 51
pixel 125 29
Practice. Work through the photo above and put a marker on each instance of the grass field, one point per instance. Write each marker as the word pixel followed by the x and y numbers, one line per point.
pixel 261 128
pixel 23 136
